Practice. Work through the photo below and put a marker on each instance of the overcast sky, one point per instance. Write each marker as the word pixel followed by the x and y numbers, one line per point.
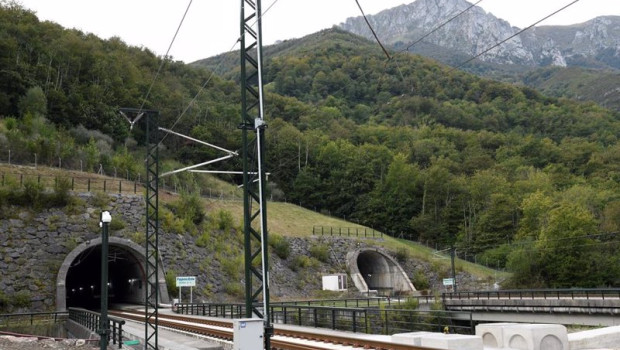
pixel 212 27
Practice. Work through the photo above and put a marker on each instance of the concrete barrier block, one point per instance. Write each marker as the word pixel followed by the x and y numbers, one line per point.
pixel 595 338
pixel 451 341
pixel 492 333
pixel 412 338
pixel 536 337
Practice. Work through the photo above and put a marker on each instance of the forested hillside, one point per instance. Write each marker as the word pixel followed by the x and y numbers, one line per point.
pixel 510 177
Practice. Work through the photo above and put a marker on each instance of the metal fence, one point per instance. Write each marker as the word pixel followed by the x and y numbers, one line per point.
pixel 29 319
pixel 346 231
pixel 371 320
pixel 76 183
pixel 90 320
pixel 362 302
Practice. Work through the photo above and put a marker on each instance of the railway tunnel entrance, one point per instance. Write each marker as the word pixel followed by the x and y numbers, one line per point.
pixel 79 277
pixel 372 270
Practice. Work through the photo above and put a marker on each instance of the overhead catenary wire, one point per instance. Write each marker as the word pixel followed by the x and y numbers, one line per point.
pixel 372 30
pixel 203 86
pixel 163 61
pixel 441 26
pixel 392 58
pixel 516 34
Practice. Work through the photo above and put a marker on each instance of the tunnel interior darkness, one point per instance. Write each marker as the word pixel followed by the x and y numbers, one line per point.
pixel 375 271
pixel 125 278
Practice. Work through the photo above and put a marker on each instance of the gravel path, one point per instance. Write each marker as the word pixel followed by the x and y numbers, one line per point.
pixel 16 343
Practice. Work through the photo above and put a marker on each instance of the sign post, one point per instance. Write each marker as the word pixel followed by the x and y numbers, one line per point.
pixel 186 281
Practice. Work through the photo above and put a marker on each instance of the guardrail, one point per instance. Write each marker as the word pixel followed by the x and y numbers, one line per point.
pixel 90 320
pixel 373 320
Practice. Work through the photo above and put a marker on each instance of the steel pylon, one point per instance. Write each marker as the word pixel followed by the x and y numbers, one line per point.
pixel 151 265
pixel 254 204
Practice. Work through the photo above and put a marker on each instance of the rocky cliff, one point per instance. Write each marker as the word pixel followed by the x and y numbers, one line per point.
pixel 595 43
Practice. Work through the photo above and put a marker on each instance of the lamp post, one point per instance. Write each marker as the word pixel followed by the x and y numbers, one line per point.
pixel 104 330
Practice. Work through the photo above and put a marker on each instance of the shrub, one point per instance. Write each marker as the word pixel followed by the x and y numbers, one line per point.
pixel 100 199
pixel 410 304
pixel 232 266
pixel 420 281
pixel 203 240
pixel 32 194
pixel 280 246
pixel 234 289
pixel 402 254
pixel 171 283
pixel 117 224
pixel 225 220
pixel 300 262
pixel 22 299
pixel 61 197
pixel 138 237
pixel 320 252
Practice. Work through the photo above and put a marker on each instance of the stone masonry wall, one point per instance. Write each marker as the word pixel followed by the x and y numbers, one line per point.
pixel 33 245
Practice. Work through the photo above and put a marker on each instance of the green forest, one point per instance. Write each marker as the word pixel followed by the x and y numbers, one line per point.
pixel 510 177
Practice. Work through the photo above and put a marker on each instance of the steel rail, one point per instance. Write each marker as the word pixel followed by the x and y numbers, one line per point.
pixel 277 342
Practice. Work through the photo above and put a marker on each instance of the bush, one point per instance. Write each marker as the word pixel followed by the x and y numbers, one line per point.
pixel 32 194
pixel 61 197
pixel 320 252
pixel 100 199
pixel 203 240
pixel 22 299
pixel 300 262
pixel 495 257
pixel 171 283
pixel 225 220
pixel 280 246
pixel 420 281
pixel 232 266
pixel 117 224
pixel 402 254
pixel 234 289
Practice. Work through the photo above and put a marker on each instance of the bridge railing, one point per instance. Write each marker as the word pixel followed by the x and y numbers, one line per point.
pixel 90 320
pixel 607 293
pixel 361 302
pixel 211 310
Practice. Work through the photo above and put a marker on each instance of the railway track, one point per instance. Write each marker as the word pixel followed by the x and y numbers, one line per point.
pixel 284 338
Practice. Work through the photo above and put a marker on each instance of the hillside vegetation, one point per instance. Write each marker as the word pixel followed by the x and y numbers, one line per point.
pixel 505 174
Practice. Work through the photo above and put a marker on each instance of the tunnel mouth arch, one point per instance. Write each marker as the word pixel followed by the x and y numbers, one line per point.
pixel 374 270
pixel 79 277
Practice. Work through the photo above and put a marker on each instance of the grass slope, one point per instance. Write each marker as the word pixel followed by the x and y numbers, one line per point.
pixel 284 219
pixel 290 220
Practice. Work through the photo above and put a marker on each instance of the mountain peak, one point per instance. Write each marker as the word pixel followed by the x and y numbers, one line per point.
pixel 475 31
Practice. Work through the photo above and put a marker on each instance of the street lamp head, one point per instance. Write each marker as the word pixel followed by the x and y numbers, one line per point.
pixel 106 217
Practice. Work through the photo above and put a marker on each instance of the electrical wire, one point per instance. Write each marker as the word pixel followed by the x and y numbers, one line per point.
pixel 202 88
pixel 372 30
pixel 163 61
pixel 440 26
pixel 515 34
